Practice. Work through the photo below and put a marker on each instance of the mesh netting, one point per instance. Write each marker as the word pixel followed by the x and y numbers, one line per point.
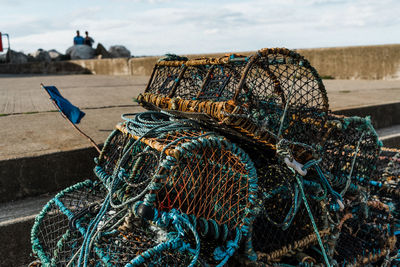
pixel 112 151
pixel 386 177
pixel 282 225
pixel 205 177
pixel 136 237
pixel 206 173
pixel 280 76
pixel 57 232
pixel 365 236
pixel 200 79
pixel 209 167
pixel 210 190
pixel 249 95
pixel 192 78
pixel 164 79
pixel 350 153
pixel 272 76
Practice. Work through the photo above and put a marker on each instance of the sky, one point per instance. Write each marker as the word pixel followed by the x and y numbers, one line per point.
pixel 156 27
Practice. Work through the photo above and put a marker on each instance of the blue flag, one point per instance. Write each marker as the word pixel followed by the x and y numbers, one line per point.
pixel 73 113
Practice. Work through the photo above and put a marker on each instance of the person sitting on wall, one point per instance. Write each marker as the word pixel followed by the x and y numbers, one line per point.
pixel 78 40
pixel 88 40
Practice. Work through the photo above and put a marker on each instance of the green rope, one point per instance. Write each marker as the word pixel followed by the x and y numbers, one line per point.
pixel 312 220
pixel 348 182
pixel 287 104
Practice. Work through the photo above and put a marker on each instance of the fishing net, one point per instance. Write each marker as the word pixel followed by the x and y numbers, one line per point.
pixel 342 161
pixel 277 76
pixel 59 233
pixel 385 192
pixel 112 151
pixel 211 169
pixel 363 232
pixel 198 79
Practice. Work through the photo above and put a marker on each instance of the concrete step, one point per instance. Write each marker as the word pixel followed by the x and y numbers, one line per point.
pixel 16 221
pixel 382 116
pixel 42 153
pixel 390 136
pixel 32 176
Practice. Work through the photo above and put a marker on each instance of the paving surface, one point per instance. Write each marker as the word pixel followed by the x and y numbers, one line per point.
pixel 22 93
pixel 356 93
pixel 27 128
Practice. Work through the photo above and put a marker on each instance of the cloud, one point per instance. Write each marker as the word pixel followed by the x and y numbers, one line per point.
pixel 158 26
pixel 87 12
pixel 60 40
pixel 211 31
pixel 11 3
pixel 144 1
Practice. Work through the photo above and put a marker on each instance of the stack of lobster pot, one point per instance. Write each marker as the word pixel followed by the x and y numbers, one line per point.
pixel 238 161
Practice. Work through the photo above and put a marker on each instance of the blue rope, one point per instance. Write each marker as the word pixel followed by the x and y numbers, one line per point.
pixel 322 177
pixel 179 220
pixel 224 253
pixel 84 254
pixel 148 254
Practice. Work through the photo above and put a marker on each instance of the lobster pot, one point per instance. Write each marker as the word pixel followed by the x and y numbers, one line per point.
pixel 209 178
pixel 285 96
pixel 138 243
pixel 367 235
pixel 386 178
pixel 282 77
pixel 115 145
pixel 127 163
pixel 255 97
pixel 198 79
pixel 195 172
pixel 350 151
pixel 283 227
pixel 388 167
pixel 134 163
pixel 58 231
pixel 272 76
